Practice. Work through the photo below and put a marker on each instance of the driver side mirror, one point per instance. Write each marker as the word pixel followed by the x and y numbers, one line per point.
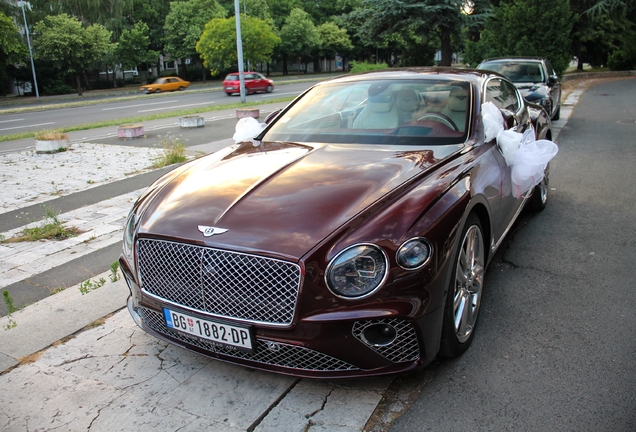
pixel 271 116
pixel 510 119
pixel 552 79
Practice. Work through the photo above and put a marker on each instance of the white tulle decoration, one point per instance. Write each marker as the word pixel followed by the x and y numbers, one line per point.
pixel 529 165
pixel 527 157
pixel 493 121
pixel 246 128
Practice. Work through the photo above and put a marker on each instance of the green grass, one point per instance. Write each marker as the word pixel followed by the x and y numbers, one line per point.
pixel 173 152
pixel 52 229
pixel 139 119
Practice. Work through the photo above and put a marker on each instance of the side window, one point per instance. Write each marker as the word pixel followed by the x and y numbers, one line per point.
pixel 511 99
pixel 550 69
pixel 494 93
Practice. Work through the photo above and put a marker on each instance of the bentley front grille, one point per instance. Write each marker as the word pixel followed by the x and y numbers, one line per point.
pixel 222 283
pixel 403 348
pixel 266 352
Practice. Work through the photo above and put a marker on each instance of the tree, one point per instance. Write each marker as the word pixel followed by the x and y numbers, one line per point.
pixel 280 10
pixel 69 46
pixel 299 37
pixel 217 45
pixel 600 28
pixel 153 13
pixel 380 19
pixel 333 40
pixel 112 14
pixel 12 50
pixel 185 24
pixel 509 32
pixel 133 47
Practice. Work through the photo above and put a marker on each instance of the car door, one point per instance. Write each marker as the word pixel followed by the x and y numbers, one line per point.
pixel 250 83
pixel 555 87
pixel 506 97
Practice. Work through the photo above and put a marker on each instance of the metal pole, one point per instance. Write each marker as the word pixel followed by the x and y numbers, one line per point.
pixel 26 29
pixel 239 48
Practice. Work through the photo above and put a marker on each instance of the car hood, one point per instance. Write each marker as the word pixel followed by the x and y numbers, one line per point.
pixel 278 198
pixel 528 88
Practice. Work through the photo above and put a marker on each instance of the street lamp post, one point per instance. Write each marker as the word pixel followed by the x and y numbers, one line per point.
pixel 239 49
pixel 26 29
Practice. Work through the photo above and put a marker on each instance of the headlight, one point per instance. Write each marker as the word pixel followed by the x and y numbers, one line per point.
pixel 413 253
pixel 357 271
pixel 129 233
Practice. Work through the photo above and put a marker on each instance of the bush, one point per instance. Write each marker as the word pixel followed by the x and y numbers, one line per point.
pixel 57 88
pixel 365 67
pixel 624 59
pixel 102 84
pixel 50 135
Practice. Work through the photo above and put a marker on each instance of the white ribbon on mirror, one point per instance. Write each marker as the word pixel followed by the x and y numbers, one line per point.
pixel 526 157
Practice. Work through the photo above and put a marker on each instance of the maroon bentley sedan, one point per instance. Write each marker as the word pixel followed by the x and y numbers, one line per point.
pixel 349 238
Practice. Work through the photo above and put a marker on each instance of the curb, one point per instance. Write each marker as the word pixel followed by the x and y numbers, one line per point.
pixel 47 321
pixel 596 75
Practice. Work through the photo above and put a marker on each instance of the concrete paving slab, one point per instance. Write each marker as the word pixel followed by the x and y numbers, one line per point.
pixel 53 318
pixel 235 395
pixel 56 399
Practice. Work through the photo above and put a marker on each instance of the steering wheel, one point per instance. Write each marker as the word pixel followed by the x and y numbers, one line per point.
pixel 440 118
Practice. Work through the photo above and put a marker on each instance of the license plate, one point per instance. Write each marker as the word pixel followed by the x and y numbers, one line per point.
pixel 225 334
pixel 229 88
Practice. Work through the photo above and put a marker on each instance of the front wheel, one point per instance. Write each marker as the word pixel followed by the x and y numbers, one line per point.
pixel 539 198
pixel 158 91
pixel 464 293
pixel 557 114
pixel 269 89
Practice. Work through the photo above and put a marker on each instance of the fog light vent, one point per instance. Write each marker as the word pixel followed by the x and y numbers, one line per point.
pixel 393 339
pixel 379 334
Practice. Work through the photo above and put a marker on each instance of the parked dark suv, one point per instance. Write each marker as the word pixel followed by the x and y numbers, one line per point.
pixel 535 78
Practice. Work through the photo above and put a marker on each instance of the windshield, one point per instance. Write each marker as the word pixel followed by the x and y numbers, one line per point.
pixel 404 112
pixel 517 72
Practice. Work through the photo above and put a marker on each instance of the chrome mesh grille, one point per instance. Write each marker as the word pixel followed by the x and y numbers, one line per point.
pixel 222 283
pixel 266 352
pixel 405 346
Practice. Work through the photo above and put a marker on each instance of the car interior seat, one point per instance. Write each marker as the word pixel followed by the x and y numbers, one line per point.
pixel 379 112
pixel 533 73
pixel 408 102
pixel 457 106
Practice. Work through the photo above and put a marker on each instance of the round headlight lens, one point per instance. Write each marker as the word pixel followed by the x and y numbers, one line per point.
pixel 129 234
pixel 413 253
pixel 357 271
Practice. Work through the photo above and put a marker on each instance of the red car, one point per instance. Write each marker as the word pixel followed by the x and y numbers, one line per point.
pixel 254 82
pixel 349 238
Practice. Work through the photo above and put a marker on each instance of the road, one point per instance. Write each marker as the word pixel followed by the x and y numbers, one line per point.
pixel 555 348
pixel 144 105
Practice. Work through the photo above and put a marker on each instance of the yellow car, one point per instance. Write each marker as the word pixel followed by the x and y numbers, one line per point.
pixel 165 84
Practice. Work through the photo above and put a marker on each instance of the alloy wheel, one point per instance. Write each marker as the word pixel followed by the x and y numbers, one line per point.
pixel 469 280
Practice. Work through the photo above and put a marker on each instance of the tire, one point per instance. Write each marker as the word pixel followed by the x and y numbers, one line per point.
pixel 181 88
pixel 229 94
pixel 557 114
pixel 539 198
pixel 463 298
pixel 269 89
pixel 158 91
